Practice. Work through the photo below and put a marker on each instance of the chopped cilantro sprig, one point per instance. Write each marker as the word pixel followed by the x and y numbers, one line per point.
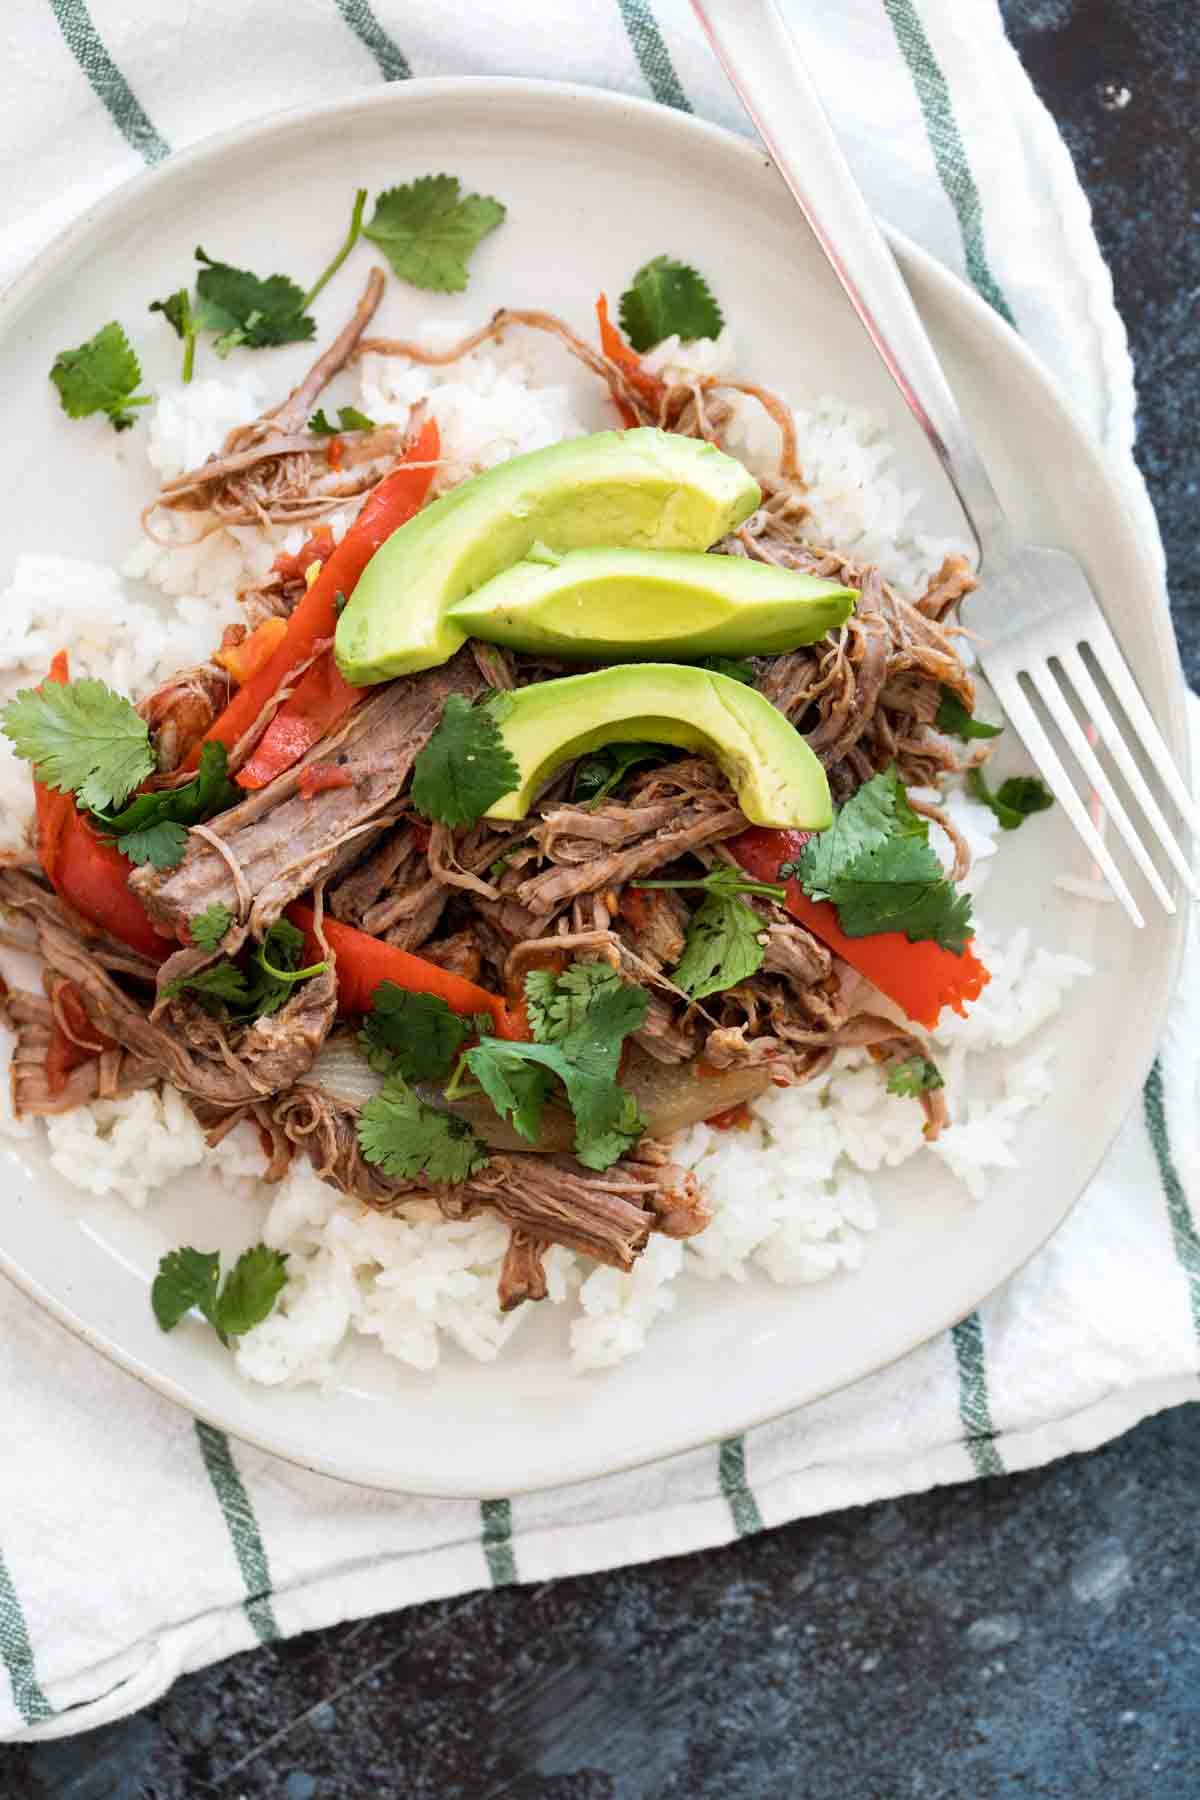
pixel 429 228
pixel 406 1138
pixel 101 375
pixel 466 765
pixel 190 1278
pixel 1014 801
pixel 668 299
pixel 257 986
pixel 876 865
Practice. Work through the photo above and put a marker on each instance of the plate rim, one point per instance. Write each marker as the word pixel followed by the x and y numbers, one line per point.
pixel 949 285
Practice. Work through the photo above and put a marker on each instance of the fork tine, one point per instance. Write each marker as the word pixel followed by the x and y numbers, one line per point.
pixel 1110 733
pixel 1103 646
pixel 1059 708
pixel 1029 729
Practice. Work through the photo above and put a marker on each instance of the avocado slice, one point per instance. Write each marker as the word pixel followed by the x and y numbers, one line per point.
pixel 652 604
pixel 641 488
pixel 777 778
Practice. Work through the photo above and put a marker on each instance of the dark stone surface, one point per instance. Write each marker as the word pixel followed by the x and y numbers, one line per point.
pixel 1038 1635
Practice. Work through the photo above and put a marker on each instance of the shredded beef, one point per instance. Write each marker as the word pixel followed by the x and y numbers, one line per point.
pixel 278 842
pixel 522 1276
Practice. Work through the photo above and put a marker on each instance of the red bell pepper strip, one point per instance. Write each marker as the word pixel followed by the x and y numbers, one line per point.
pixel 322 697
pixel 363 962
pixel 244 660
pixel 617 350
pixel 88 874
pixel 921 978
pixel 397 498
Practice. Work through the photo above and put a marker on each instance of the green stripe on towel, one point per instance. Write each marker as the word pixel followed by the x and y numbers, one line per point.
pixel 495 1517
pixel 108 84
pixel 1183 1227
pixel 16 1653
pixel 654 59
pixel 358 14
pixel 243 1530
pixel 731 1474
pixel 950 158
pixel 974 1406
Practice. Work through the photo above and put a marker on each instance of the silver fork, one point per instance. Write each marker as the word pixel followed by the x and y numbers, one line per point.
pixel 1035 613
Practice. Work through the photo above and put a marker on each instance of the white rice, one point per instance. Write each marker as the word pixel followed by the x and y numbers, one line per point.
pixel 791 1196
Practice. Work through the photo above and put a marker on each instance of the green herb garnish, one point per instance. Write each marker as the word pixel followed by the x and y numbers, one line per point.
pixel 428 229
pixel 100 376
pixel 190 1278
pixel 153 828
pixel 668 299
pixel 953 717
pixel 580 1022
pixel 599 775
pixel 82 739
pixel 248 309
pixel 177 310
pixel 209 927
pixel 915 1075
pixel 257 986
pixel 404 1137
pixel 466 765
pixel 349 419
pixel 415 1036
pixel 876 865
pixel 1015 800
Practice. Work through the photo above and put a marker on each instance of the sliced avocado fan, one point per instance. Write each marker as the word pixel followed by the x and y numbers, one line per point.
pixel 777 779
pixel 642 489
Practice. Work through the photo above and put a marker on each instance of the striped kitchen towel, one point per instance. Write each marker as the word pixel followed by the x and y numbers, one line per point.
pixel 135 1543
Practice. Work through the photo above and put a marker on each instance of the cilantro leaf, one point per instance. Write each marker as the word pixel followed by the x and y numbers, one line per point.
pixel 582 1019
pixel 725 944
pixel 81 738
pixel 900 887
pixel 415 1035
pixel 188 1278
pixel 876 815
pixel 177 310
pixel 1015 800
pixel 162 844
pixel 876 865
pixel 185 1278
pixel 247 309
pixel 429 228
pixel 209 927
pixel 256 987
pixel 222 984
pixel 100 376
pixel 404 1137
pixel 915 1075
pixel 666 299
pixel 953 717
pixel 466 765
pixel 277 968
pixel 249 1292
pixel 599 775
pixel 152 827
pixel 589 1003
pixel 349 419
pixel 516 1086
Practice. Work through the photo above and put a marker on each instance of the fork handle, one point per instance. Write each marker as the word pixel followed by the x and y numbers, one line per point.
pixel 760 58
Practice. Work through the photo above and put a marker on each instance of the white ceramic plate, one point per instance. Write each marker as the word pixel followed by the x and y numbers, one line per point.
pixel 594 184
